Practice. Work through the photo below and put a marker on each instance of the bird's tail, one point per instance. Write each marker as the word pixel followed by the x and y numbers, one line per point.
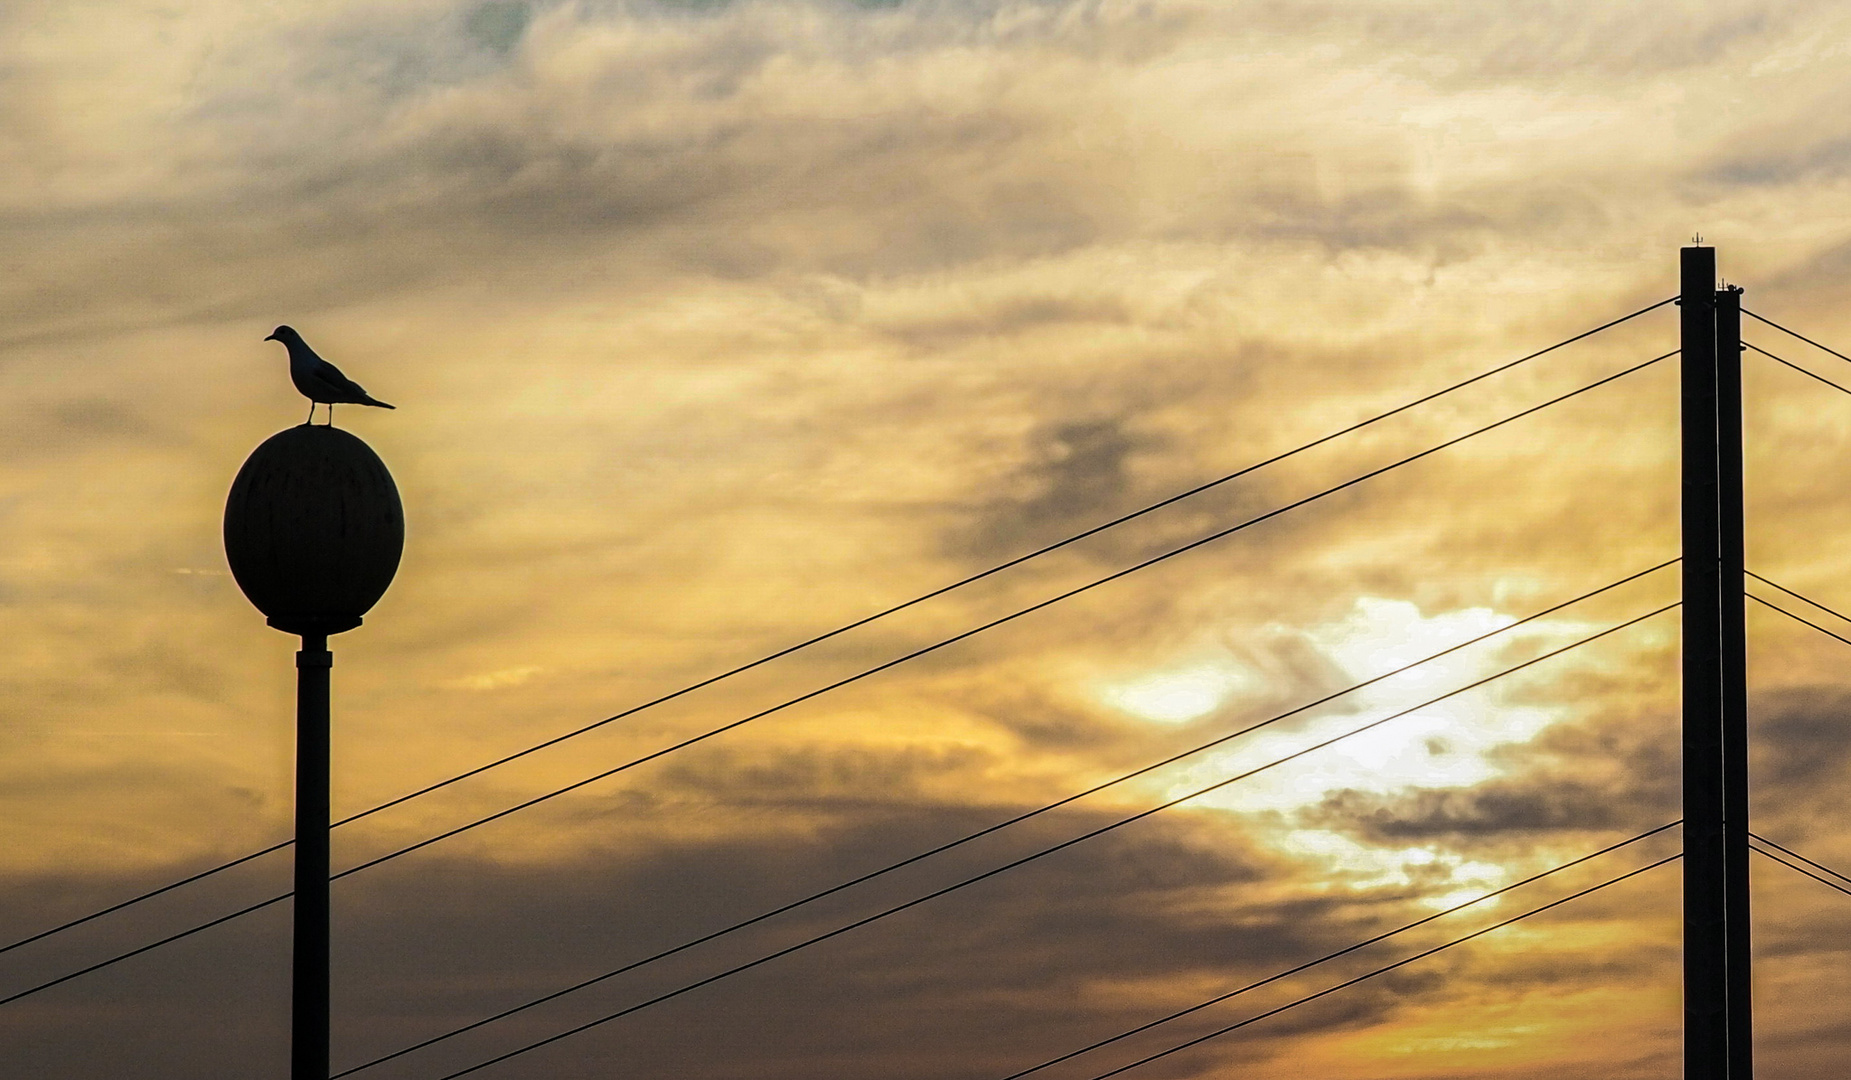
pixel 369 400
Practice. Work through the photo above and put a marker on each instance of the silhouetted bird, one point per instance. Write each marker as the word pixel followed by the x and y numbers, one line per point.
pixel 319 380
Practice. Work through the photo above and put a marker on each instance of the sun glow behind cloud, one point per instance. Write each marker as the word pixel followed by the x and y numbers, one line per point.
pixel 1450 743
pixel 1179 695
pixel 1445 879
pixel 1454 744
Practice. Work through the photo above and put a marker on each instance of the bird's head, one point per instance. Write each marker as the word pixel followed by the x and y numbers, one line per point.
pixel 284 334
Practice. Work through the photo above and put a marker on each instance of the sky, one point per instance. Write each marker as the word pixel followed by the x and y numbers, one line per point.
pixel 713 326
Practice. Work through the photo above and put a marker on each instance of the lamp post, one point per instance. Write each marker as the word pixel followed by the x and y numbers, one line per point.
pixel 313 532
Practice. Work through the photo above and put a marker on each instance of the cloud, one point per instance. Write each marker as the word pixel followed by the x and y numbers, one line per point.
pixel 498 680
pixel 1798 734
pixel 717 325
pixel 415 956
pixel 1077 477
pixel 1603 773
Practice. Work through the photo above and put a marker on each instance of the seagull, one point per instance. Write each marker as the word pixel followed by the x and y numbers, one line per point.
pixel 319 380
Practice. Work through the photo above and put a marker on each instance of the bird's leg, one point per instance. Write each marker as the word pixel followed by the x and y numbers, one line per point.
pixel 311 418
pixel 330 414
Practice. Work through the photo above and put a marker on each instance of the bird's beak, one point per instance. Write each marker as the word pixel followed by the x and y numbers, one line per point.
pixel 272 337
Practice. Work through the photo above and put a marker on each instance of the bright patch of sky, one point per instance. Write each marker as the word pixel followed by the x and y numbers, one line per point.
pixel 1450 744
pixel 1365 866
pixel 1181 695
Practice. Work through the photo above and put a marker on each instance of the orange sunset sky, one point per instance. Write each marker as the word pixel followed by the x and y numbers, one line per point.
pixel 715 325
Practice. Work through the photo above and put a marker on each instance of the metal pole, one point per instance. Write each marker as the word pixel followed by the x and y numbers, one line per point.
pixel 1734 681
pixel 308 1050
pixel 1705 947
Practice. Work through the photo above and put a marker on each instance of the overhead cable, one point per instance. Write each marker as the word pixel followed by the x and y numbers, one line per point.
pixel 1797 618
pixel 1802 858
pixel 151 894
pixel 1796 333
pixel 788 650
pixel 1141 1028
pixel 1796 367
pixel 1024 860
pixel 1018 819
pixel 995 622
pixel 168 940
pixel 1798 869
pixel 1018 560
pixel 992 624
pixel 1798 596
pixel 1308 998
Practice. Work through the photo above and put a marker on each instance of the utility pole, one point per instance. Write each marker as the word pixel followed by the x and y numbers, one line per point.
pixel 1731 578
pixel 1718 961
pixel 313 532
pixel 1706 965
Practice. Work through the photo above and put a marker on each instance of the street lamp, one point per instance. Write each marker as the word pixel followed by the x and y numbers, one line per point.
pixel 313 532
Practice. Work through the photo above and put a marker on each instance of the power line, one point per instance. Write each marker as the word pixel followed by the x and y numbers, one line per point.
pixel 171 886
pixel 1796 367
pixel 1140 1029
pixel 1382 970
pixel 1827 882
pixel 917 653
pixel 1797 618
pixel 788 650
pixel 1758 837
pixel 992 624
pixel 1807 599
pixel 145 948
pixel 1802 858
pixel 871 875
pixel 1018 560
pixel 658 999
pixel 1797 334
pixel 1798 596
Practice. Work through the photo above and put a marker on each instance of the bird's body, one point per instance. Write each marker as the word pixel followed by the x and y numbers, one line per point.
pixel 318 380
